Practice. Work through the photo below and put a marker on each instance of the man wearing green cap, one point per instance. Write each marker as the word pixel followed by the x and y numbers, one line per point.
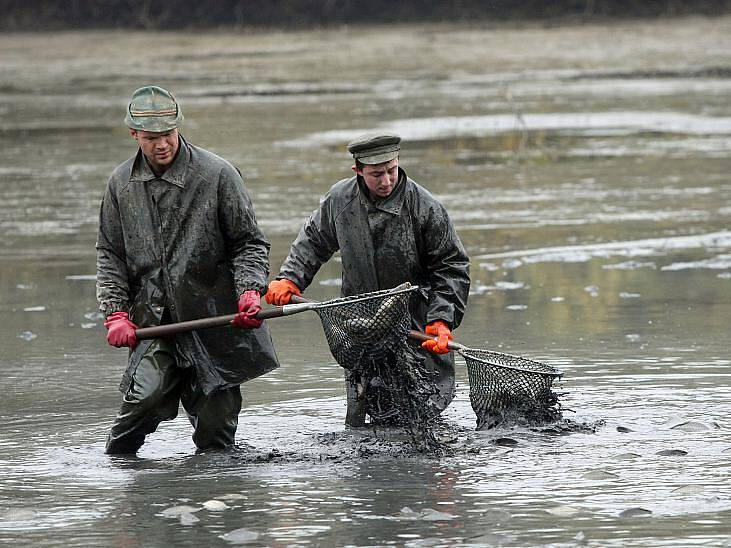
pixel 178 240
pixel 389 230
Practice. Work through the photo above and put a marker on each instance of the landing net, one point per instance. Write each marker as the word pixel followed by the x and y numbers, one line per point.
pixel 505 387
pixel 369 325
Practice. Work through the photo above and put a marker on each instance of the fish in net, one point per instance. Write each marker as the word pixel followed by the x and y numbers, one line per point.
pixel 366 326
pixel 507 388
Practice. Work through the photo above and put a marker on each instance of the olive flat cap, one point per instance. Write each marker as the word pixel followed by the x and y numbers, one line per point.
pixel 375 148
pixel 153 108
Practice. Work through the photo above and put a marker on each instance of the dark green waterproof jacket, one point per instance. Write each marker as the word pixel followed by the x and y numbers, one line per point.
pixel 407 237
pixel 183 246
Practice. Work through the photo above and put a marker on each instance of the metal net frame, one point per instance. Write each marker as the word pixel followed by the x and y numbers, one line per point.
pixel 505 387
pixel 368 325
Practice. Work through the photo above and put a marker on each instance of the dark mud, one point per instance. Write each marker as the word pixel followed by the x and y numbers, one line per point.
pixel 391 442
pixel 396 391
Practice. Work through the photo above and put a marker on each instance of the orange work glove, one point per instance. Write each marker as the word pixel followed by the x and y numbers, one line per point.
pixel 443 334
pixel 281 291
pixel 249 307
pixel 120 330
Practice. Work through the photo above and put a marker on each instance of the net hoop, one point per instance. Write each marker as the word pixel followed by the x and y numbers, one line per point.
pixel 500 360
pixel 367 325
pixel 407 288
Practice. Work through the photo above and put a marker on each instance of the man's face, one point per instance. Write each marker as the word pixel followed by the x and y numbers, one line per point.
pixel 159 148
pixel 380 178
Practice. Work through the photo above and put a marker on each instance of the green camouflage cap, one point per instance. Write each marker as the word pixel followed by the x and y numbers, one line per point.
pixel 375 148
pixel 153 109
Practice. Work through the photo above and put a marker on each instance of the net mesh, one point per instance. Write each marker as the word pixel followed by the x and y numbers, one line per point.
pixel 367 325
pixel 367 335
pixel 505 387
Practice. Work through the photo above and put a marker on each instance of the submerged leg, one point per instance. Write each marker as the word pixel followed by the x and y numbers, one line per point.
pixel 214 417
pixel 152 397
pixel 356 412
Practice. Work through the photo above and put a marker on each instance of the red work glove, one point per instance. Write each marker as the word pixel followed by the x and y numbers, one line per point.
pixel 120 330
pixel 281 291
pixel 249 307
pixel 443 334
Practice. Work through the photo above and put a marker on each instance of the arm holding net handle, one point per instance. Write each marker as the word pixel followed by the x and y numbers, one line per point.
pixel 300 304
pixel 419 337
pixel 206 323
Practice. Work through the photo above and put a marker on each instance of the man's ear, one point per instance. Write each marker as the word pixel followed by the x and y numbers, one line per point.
pixel 356 170
pixel 133 133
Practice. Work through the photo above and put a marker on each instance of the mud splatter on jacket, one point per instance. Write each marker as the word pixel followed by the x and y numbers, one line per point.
pixel 183 246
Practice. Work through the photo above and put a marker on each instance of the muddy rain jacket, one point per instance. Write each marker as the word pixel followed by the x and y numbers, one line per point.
pixel 408 237
pixel 183 246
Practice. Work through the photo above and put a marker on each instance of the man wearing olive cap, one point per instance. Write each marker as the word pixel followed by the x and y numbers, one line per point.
pixel 389 230
pixel 178 240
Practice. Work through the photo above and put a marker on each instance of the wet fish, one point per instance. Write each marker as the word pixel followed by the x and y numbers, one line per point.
pixel 634 512
pixel 626 456
pixel 188 519
pixel 599 475
pixel 240 536
pixel 563 511
pixel 18 514
pixel 672 453
pixel 177 511
pixel 215 505
pixel 505 442
pixel 691 426
pixel 362 326
pixel 229 497
pixel 429 514
pixel 688 490
pixel 487 539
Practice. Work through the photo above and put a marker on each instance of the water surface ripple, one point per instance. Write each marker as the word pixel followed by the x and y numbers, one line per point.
pixel 587 171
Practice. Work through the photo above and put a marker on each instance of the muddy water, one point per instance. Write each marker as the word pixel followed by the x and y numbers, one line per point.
pixel 587 171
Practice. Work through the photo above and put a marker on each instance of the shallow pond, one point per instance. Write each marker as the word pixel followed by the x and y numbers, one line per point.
pixel 587 171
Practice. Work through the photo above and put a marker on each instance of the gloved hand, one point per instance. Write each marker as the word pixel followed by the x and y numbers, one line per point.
pixel 443 334
pixel 281 291
pixel 249 307
pixel 120 330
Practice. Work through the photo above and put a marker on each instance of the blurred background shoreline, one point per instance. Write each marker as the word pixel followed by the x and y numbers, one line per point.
pixel 45 15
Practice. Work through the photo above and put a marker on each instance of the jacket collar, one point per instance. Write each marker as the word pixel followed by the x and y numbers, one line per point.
pixel 142 172
pixel 393 202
